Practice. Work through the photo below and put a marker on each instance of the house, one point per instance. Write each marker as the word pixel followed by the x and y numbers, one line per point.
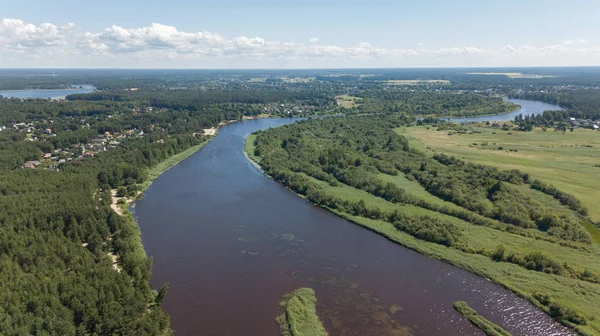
pixel 496 125
pixel 48 131
pixel 47 155
pixel 107 134
pixel 88 154
pixel 31 164
pixel 596 127
pixel 61 161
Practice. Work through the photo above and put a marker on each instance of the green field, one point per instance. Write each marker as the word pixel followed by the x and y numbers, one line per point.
pixel 561 159
pixel 299 314
pixel 347 101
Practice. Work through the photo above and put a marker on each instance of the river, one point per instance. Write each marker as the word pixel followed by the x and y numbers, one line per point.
pixel 230 242
pixel 47 93
pixel 528 107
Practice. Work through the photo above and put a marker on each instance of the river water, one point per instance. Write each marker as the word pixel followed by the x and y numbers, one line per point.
pixel 46 93
pixel 528 107
pixel 230 242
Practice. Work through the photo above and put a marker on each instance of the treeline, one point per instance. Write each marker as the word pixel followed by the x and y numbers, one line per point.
pixel 195 99
pixel 425 102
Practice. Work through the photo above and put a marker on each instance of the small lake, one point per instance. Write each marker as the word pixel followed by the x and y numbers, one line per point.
pixel 45 94
pixel 528 107
pixel 230 242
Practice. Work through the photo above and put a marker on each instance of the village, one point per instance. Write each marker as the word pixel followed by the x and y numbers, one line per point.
pixel 41 131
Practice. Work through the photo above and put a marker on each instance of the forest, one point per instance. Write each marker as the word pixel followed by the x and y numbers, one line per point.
pixel 362 169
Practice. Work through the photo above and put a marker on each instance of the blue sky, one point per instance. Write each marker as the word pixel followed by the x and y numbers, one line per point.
pixel 298 34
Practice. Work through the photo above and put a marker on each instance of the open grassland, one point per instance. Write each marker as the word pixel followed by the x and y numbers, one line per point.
pixel 299 316
pixel 489 328
pixel 570 161
pixel 347 101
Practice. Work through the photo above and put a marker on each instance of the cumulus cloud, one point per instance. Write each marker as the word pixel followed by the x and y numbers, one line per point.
pixel 26 44
pixel 18 34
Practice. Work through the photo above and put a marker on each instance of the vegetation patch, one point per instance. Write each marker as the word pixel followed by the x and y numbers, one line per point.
pixel 299 314
pixel 347 101
pixel 489 328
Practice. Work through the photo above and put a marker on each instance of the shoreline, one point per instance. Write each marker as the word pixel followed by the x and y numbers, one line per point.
pixel 427 249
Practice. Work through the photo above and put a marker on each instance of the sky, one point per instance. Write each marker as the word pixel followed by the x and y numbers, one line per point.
pixel 268 34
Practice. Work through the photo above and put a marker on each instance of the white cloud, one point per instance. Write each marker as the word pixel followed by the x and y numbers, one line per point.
pixel 579 41
pixel 157 45
pixel 16 33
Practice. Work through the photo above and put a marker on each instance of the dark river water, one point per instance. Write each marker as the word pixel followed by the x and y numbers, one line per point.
pixel 230 242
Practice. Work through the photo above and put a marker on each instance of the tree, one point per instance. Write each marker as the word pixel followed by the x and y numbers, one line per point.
pixel 162 292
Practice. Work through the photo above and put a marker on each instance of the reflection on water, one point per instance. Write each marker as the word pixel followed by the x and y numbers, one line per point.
pixel 47 93
pixel 230 242
pixel 528 107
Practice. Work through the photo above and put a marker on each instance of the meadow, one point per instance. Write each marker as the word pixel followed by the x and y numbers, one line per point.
pixel 570 161
pixel 347 101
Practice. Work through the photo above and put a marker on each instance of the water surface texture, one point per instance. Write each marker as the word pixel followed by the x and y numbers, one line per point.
pixel 230 242
pixel 46 93
pixel 528 107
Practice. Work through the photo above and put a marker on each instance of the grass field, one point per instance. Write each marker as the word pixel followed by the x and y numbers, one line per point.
pixel 347 101
pixel 299 316
pixel 561 159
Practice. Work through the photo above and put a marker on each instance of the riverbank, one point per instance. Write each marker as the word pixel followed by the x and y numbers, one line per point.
pixel 512 108
pixel 489 328
pixel 525 283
